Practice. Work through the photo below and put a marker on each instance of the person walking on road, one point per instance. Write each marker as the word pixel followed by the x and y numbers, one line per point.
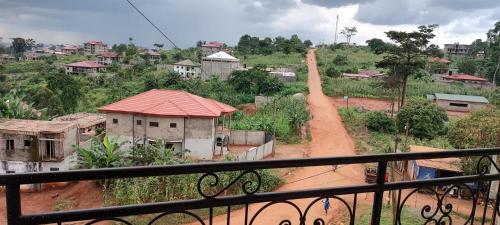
pixel 326 205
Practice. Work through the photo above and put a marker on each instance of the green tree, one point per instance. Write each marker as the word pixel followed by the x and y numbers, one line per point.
pixel 408 55
pixel 377 45
pixel 467 65
pixel 349 32
pixel 20 45
pixel 270 86
pixel 434 51
pixel 66 88
pixel 423 118
pixel 331 71
pixel 493 53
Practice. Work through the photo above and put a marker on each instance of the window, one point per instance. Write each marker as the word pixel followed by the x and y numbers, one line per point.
pixel 169 146
pixel 54 169
pixel 9 144
pixel 10 171
pixel 138 122
pixel 173 125
pixel 115 121
pixel 154 124
pixel 27 143
pixel 50 151
pixel 151 142
pixel 459 104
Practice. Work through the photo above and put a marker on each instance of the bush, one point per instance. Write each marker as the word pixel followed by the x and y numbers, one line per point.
pixel 379 121
pixel 480 129
pixel 332 72
pixel 425 120
pixel 340 60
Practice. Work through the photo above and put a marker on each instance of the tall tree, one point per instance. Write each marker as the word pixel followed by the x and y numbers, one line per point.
pixel 349 32
pixel 20 45
pixel 408 55
pixel 434 51
pixel 493 54
pixel 66 88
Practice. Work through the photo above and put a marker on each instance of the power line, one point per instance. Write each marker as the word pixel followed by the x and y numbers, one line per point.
pixel 159 30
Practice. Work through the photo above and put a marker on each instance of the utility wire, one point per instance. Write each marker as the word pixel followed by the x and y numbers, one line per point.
pixel 159 30
pixel 315 175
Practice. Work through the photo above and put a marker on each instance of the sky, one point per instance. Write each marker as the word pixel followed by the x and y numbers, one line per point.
pixel 187 21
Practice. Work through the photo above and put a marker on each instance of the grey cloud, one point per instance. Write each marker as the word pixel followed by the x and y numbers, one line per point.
pixel 335 3
pixel 465 5
pixel 265 10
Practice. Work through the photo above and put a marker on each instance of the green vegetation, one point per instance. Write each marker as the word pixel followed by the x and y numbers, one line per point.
pixel 416 88
pixel 409 216
pixel 380 122
pixel 284 117
pixel 422 119
pixel 248 45
pixel 370 142
pixel 12 106
pixel 353 59
pixel 277 59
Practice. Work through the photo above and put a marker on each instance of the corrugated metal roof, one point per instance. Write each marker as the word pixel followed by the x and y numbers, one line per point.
pixel 448 164
pixel 222 55
pixel 463 98
pixel 173 103
pixel 463 77
pixel 86 64
pixel 186 62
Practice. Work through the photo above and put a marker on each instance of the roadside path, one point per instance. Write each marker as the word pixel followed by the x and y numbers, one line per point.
pixel 329 138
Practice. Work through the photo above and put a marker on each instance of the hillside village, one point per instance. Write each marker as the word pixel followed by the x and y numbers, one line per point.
pixel 100 105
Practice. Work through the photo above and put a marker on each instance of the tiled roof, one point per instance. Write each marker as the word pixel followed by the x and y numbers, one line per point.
pixel 86 64
pixel 94 42
pixel 169 103
pixel 441 60
pixel 186 62
pixel 464 77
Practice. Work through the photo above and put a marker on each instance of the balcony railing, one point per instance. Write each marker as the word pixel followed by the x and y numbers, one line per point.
pixel 438 213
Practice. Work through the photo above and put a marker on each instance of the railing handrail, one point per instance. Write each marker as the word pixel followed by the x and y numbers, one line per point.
pixel 144 171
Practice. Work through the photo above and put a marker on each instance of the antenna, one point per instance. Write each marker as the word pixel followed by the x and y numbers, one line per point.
pixel 336 27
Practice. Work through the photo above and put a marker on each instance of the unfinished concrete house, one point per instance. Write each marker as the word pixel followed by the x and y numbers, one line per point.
pixel 36 146
pixel 89 124
pixel 219 64
pixel 187 123
pixel 460 103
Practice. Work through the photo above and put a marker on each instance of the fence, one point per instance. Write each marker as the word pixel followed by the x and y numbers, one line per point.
pixel 257 153
pixel 212 189
pixel 245 137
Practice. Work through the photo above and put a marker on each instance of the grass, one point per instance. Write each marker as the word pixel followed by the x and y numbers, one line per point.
pixel 360 58
pixel 363 216
pixel 277 59
pixel 65 204
pixel 370 142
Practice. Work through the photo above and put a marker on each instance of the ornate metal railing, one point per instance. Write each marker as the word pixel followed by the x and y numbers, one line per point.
pixel 439 213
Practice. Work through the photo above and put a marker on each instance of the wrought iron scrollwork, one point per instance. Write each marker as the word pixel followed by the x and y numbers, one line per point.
pixel 213 181
pixel 122 221
pixel 440 214
pixel 482 165
pixel 196 217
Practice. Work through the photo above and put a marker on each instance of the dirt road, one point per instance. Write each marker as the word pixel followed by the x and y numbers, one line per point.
pixel 329 138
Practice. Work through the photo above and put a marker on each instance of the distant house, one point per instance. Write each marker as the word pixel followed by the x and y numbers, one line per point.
pixel 463 103
pixel 84 67
pixel 363 74
pixel 219 64
pixel 186 122
pixel 438 65
pixel 187 68
pixel 36 145
pixel 69 50
pixel 94 47
pixel 106 58
pixel 424 169
pixel 211 48
pixel 154 56
pixel 456 49
pixel 6 58
pixel 284 76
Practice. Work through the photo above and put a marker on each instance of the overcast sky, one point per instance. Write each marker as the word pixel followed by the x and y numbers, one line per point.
pixel 187 21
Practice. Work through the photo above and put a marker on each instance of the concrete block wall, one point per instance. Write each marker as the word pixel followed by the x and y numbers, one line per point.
pixel 261 101
pixel 244 137
pixel 257 153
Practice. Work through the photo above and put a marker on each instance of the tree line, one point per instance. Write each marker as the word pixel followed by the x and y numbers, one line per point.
pixel 254 45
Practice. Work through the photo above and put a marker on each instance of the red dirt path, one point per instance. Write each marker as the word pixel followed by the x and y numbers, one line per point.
pixel 329 138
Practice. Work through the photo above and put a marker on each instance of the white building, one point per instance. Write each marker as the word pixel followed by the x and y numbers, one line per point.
pixel 187 68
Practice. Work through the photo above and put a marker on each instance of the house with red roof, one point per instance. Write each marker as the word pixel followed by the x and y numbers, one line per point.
pixel 465 78
pixel 106 58
pixel 84 67
pixel 94 47
pixel 211 48
pixel 69 49
pixel 186 123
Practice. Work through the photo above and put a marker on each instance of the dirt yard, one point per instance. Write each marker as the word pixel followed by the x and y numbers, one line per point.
pixel 79 195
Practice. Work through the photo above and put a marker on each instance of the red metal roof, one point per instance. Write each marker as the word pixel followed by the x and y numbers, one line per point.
pixel 214 44
pixel 108 54
pixel 464 77
pixel 173 103
pixel 86 64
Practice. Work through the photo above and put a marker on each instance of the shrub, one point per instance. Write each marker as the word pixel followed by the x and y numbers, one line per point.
pixel 332 72
pixel 379 121
pixel 340 60
pixel 480 129
pixel 425 120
